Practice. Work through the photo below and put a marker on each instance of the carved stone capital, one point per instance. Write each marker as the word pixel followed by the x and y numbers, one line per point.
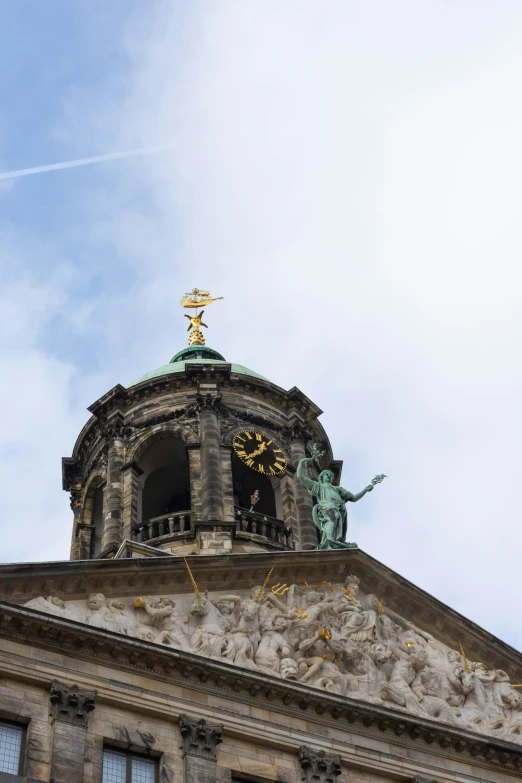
pixel 76 499
pixel 200 738
pixel 318 766
pixel 71 705
pixel 211 402
pixel 296 431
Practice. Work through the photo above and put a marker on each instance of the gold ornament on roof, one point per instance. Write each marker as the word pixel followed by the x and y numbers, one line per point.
pixel 193 581
pixel 463 654
pixel 194 300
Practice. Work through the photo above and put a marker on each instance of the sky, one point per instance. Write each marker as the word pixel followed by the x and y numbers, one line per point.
pixel 347 175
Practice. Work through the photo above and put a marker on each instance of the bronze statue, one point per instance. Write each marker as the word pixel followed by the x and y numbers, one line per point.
pixel 329 513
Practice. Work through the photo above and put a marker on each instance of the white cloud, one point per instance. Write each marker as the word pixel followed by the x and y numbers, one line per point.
pixel 349 182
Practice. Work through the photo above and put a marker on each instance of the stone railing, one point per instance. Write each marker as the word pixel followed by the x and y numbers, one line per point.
pixel 250 524
pixel 175 524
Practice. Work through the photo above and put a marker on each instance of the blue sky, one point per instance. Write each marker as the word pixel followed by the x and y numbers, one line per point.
pixel 348 179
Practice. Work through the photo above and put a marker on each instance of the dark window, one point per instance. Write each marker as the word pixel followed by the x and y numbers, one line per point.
pixel 121 767
pixel 11 741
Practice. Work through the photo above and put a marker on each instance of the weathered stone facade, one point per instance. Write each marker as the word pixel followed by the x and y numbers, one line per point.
pixel 81 676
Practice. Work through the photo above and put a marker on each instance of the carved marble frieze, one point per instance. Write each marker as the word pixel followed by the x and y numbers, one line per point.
pixel 331 637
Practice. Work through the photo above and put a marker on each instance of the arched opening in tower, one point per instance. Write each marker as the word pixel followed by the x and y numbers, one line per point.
pixel 165 481
pixel 246 482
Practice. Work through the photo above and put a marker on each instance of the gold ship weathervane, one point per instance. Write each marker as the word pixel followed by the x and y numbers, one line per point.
pixel 196 299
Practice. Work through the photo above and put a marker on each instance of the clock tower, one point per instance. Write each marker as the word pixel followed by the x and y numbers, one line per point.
pixel 214 626
pixel 196 456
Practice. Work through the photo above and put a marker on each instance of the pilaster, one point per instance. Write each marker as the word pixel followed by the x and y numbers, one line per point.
pixel 228 484
pixel 130 474
pixel 113 505
pixel 307 531
pixel 194 456
pixel 70 708
pixel 200 740
pixel 212 507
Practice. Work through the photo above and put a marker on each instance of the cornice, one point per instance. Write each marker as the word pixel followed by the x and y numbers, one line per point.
pixel 30 627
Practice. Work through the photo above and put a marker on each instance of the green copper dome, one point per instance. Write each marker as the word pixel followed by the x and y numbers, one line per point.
pixel 194 353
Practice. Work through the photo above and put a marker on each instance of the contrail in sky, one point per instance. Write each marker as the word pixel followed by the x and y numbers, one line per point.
pixel 69 164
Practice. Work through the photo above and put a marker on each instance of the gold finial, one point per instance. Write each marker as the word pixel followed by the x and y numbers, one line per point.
pixel 196 299
pixel 194 585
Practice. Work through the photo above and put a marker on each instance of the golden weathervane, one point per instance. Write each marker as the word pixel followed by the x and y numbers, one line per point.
pixel 196 299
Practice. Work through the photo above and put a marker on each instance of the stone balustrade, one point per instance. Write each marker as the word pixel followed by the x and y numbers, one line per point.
pixel 179 522
pixel 250 523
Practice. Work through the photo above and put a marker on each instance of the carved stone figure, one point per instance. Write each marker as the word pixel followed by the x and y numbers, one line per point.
pixel 332 637
pixel 357 623
pixel 162 613
pixel 329 513
pixel 247 634
pixel 54 605
pixel 272 647
pixel 402 676
pixel 209 637
pixel 109 615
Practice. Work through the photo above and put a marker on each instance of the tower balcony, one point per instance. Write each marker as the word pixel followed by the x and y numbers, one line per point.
pixel 179 526
pixel 263 529
pixel 163 529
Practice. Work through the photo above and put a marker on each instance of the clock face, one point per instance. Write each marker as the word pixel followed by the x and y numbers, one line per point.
pixel 259 452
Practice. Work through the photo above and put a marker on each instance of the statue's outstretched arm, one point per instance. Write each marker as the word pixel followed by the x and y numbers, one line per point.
pixel 309 483
pixel 361 494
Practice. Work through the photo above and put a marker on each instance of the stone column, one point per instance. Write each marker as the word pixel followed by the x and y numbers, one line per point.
pixel 228 484
pixel 70 708
pixel 318 766
pixel 200 740
pixel 194 455
pixel 287 491
pixel 85 534
pixel 212 508
pixel 307 531
pixel 130 474
pixel 113 502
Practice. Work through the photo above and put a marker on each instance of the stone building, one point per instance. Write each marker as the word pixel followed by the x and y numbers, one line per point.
pixel 197 634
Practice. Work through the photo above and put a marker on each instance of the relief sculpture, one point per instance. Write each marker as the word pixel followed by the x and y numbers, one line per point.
pixel 332 637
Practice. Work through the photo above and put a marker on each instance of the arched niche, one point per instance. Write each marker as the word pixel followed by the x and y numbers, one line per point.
pixel 245 481
pixel 164 484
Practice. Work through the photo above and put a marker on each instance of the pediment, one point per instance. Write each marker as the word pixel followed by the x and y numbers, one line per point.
pixel 339 622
